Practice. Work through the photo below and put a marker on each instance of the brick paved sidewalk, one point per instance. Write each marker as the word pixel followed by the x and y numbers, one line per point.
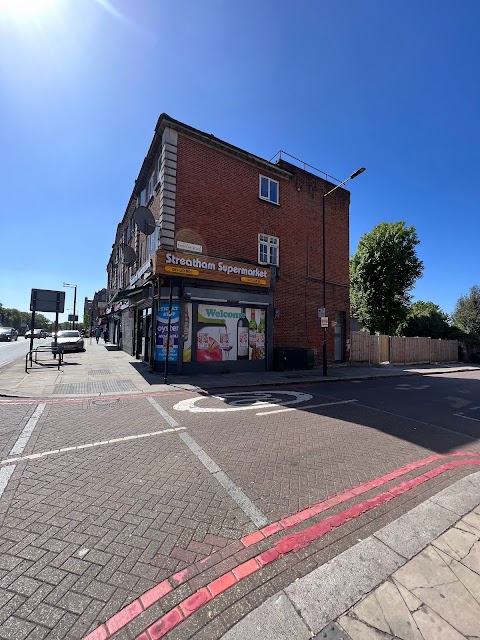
pixel 103 369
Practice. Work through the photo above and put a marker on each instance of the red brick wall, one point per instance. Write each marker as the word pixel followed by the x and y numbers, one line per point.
pixel 217 199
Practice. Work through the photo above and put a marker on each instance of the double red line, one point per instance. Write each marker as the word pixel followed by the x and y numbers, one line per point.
pixel 286 544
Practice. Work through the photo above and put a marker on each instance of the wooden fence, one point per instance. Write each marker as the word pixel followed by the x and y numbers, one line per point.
pixel 376 349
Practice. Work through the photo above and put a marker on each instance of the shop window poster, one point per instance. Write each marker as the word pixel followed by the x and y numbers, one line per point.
pixel 162 332
pixel 230 333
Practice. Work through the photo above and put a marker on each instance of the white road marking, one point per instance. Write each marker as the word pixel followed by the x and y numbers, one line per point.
pixel 24 437
pixel 427 424
pixel 244 401
pixel 457 403
pixel 243 501
pixel 165 415
pixel 5 475
pixel 460 415
pixel 34 456
pixel 409 387
pixel 305 406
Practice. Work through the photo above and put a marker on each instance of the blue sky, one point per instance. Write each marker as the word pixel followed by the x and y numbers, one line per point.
pixel 392 86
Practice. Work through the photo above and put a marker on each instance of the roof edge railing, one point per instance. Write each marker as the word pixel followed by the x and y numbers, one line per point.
pixel 304 165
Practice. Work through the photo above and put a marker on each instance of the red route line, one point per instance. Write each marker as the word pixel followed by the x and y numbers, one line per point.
pixel 285 545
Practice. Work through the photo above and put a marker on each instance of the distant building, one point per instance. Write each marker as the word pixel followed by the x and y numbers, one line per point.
pixel 96 308
pixel 236 245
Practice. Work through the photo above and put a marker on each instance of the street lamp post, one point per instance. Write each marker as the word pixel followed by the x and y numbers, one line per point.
pixel 73 286
pixel 324 257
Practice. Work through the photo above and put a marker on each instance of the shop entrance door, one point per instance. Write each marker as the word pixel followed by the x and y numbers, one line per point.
pixel 148 336
pixel 140 334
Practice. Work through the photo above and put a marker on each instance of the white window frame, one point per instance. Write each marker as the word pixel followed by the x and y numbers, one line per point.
pixel 152 241
pixel 271 243
pixel 268 196
pixel 143 198
pixel 150 187
pixel 159 169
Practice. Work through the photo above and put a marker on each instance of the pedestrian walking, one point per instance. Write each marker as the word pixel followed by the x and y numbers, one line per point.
pixel 98 333
pixel 105 335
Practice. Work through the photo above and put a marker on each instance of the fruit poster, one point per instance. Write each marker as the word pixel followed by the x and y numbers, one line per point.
pixel 162 332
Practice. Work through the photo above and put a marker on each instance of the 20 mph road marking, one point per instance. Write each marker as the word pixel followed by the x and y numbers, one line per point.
pixel 305 406
pixel 244 401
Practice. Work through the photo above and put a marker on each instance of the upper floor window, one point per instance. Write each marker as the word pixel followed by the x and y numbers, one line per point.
pixel 268 189
pixel 150 188
pixel 268 249
pixel 143 198
pixel 159 169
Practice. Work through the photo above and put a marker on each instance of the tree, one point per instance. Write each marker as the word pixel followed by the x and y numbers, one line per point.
pixel 426 319
pixel 467 312
pixel 382 272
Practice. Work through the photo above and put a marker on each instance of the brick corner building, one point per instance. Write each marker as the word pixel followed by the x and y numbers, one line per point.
pixel 219 258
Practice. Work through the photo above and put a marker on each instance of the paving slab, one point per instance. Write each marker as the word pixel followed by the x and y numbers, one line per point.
pixel 331 589
pixel 412 531
pixel 276 620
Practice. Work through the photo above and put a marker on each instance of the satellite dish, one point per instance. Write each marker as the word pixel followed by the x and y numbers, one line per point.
pixel 129 255
pixel 144 220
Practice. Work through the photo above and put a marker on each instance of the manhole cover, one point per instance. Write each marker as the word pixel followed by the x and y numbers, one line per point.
pixel 94 386
pixel 99 372
pixel 104 403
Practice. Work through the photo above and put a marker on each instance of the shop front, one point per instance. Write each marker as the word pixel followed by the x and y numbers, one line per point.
pixel 215 315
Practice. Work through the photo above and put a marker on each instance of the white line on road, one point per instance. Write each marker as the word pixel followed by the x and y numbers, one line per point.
pixel 305 406
pixel 243 501
pixel 34 456
pixel 5 475
pixel 427 424
pixel 24 437
pixel 165 415
pixel 460 415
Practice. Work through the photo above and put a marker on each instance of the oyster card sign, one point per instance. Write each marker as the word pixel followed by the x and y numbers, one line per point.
pixel 186 265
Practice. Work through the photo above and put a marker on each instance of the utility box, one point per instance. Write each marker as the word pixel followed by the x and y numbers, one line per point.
pixel 288 359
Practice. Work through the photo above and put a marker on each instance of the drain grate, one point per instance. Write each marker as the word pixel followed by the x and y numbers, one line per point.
pixel 105 402
pixel 99 372
pixel 100 386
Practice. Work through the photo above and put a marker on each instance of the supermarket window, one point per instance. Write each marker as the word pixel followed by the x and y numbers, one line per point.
pixel 268 190
pixel 268 249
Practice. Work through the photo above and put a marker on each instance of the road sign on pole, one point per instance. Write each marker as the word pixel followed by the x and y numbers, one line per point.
pixel 324 323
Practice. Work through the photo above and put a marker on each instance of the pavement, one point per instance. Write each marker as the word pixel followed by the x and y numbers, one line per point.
pixel 134 510
pixel 103 370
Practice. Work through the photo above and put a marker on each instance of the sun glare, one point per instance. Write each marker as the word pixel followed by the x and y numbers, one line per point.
pixel 26 9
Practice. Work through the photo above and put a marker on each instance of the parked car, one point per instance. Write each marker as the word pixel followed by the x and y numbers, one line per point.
pixel 69 341
pixel 37 333
pixel 8 334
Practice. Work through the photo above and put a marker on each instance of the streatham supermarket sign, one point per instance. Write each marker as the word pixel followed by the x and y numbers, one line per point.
pixel 186 265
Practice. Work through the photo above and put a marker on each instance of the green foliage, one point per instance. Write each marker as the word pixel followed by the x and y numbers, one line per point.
pixel 425 319
pixel 15 318
pixel 382 272
pixel 467 313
